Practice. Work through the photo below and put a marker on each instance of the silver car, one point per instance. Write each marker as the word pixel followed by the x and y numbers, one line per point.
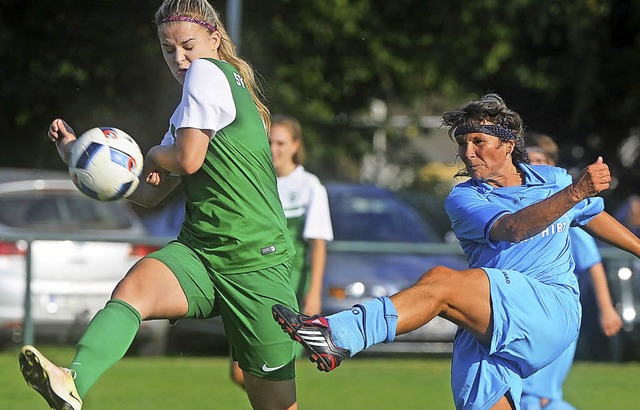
pixel 71 279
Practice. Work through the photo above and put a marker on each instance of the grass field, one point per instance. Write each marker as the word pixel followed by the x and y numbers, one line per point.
pixel 198 383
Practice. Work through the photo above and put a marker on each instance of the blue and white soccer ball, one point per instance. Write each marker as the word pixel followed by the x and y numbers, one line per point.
pixel 106 163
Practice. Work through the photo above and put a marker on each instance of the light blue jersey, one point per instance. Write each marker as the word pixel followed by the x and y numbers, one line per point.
pixel 584 250
pixel 534 293
pixel 473 208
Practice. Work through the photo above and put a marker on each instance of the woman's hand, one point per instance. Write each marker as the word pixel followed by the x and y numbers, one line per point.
pixel 152 173
pixel 60 131
pixel 158 184
pixel 592 180
pixel 610 321
pixel 63 135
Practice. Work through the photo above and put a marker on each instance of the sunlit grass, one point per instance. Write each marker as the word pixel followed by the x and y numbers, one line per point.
pixel 361 383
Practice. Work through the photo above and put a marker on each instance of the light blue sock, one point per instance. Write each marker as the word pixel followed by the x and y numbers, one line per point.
pixel 364 325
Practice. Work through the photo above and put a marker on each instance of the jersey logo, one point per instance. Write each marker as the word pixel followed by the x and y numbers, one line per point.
pixel 268 369
pixel 239 80
pixel 267 250
pixel 74 396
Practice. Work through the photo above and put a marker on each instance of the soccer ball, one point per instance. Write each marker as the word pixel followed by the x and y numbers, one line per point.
pixel 106 163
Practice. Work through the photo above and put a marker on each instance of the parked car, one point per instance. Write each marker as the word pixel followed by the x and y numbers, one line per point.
pixel 71 279
pixel 379 248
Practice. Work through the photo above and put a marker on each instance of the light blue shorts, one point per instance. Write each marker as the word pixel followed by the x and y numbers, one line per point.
pixel 533 323
pixel 547 382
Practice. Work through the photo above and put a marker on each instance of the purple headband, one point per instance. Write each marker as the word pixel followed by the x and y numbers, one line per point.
pixel 489 129
pixel 190 20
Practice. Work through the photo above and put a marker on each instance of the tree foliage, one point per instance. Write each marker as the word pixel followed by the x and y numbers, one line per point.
pixel 569 67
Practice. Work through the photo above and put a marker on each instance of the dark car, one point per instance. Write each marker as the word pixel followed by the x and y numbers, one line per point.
pixel 381 246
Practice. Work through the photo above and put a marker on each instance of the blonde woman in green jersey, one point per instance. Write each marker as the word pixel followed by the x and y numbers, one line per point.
pixel 233 255
pixel 306 207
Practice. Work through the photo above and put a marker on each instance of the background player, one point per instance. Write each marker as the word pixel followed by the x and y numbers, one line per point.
pixel 306 208
pixel 543 389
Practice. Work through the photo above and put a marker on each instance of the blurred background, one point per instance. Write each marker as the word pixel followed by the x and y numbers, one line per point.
pixel 368 80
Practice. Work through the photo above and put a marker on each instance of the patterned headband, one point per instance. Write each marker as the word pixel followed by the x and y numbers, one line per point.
pixel 489 129
pixel 190 20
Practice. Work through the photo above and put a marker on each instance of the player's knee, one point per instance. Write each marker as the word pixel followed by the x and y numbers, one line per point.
pixel 434 283
pixel 436 275
pixel 138 293
pixel 441 284
pixel 128 289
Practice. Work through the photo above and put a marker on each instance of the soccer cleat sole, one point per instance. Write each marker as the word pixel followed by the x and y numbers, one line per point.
pixel 323 362
pixel 37 378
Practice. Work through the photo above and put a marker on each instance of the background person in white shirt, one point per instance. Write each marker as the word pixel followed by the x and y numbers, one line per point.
pixel 306 208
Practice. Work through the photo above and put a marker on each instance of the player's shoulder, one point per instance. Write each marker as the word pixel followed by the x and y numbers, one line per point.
pixel 312 178
pixel 546 173
pixel 206 66
pixel 461 194
pixel 305 177
pixel 202 71
pixel 466 188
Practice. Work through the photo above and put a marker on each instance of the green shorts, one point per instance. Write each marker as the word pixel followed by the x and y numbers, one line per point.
pixel 243 301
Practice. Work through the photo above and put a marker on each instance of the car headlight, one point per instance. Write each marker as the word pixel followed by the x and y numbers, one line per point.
pixel 625 273
pixel 355 290
pixel 361 290
pixel 628 314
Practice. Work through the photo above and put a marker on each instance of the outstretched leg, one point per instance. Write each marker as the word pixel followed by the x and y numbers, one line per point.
pixel 462 297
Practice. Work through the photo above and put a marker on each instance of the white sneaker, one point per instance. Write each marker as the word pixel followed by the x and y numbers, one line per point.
pixel 56 384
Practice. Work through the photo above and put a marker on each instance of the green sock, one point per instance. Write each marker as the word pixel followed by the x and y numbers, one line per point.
pixel 104 343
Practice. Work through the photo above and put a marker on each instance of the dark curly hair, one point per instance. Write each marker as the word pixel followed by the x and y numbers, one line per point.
pixel 491 109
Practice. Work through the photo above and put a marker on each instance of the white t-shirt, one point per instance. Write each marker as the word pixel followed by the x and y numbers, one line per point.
pixel 301 193
pixel 207 103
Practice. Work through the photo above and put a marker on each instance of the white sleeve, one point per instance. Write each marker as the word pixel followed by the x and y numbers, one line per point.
pixel 318 219
pixel 207 102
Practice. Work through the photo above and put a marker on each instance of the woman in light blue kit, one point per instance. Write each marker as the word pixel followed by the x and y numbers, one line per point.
pixel 517 306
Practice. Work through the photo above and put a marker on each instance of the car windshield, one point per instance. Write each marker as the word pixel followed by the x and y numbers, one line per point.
pixel 377 219
pixel 59 211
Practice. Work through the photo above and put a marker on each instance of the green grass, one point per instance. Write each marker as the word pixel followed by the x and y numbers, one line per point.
pixel 362 383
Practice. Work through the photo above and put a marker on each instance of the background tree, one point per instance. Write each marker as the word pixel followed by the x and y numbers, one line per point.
pixel 568 67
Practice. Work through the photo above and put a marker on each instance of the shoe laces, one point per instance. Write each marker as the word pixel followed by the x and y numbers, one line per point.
pixel 71 372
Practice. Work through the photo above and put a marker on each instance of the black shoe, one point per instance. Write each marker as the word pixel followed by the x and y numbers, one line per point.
pixel 313 333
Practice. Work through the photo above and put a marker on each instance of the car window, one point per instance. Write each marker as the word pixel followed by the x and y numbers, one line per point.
pixel 54 211
pixel 378 219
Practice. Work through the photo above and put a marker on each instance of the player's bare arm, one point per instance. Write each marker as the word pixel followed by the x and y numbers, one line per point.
pixel 186 155
pixel 535 218
pixel 606 228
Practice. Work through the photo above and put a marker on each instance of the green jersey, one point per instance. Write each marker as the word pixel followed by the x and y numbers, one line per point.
pixel 233 217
